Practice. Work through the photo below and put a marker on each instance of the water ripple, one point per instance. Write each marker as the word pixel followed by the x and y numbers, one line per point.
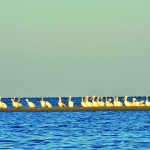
pixel 75 130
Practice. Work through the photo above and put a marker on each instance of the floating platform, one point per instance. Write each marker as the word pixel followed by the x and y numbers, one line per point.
pixel 78 109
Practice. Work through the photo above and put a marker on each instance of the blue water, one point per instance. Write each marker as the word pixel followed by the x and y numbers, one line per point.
pixel 75 130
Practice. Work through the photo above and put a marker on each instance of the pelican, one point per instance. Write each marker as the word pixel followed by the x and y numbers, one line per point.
pixel 30 104
pixel 134 102
pixel 108 102
pixel 126 102
pixel 88 104
pixel 94 103
pixel 117 102
pixel 142 103
pixel 2 104
pixel 15 104
pixel 83 103
pixel 70 102
pixel 100 101
pixel 60 103
pixel 43 103
pixel 19 102
pixel 48 104
pixel 97 100
pixel 147 103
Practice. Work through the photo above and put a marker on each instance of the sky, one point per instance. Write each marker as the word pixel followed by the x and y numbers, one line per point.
pixel 74 47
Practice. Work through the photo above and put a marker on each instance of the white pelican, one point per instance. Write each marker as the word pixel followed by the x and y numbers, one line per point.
pixel 43 103
pixel 126 102
pixel 134 102
pixel 108 102
pixel 19 102
pixel 100 101
pixel 147 103
pixel 83 103
pixel 97 100
pixel 2 104
pixel 142 103
pixel 15 104
pixel 48 104
pixel 88 104
pixel 117 102
pixel 94 103
pixel 30 104
pixel 60 103
pixel 70 102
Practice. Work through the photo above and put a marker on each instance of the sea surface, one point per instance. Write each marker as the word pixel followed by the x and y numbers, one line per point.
pixel 106 130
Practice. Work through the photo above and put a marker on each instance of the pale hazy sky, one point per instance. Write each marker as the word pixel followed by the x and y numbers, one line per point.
pixel 74 47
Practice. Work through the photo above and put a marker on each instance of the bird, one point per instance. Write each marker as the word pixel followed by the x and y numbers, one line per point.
pixel 70 102
pixel 108 102
pixel 88 104
pixel 134 102
pixel 117 102
pixel 94 103
pixel 2 104
pixel 100 101
pixel 147 103
pixel 30 104
pixel 126 102
pixel 15 104
pixel 48 104
pixel 142 103
pixel 83 103
pixel 19 99
pixel 60 103
pixel 43 103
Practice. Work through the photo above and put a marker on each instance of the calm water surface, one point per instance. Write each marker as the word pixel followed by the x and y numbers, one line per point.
pixel 75 130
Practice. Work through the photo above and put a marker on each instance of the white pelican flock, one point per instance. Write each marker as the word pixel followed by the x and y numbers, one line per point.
pixel 48 104
pixel 15 104
pixel 86 101
pixel 45 104
pixel 100 101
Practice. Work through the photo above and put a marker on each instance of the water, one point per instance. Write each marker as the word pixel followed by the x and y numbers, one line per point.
pixel 75 130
